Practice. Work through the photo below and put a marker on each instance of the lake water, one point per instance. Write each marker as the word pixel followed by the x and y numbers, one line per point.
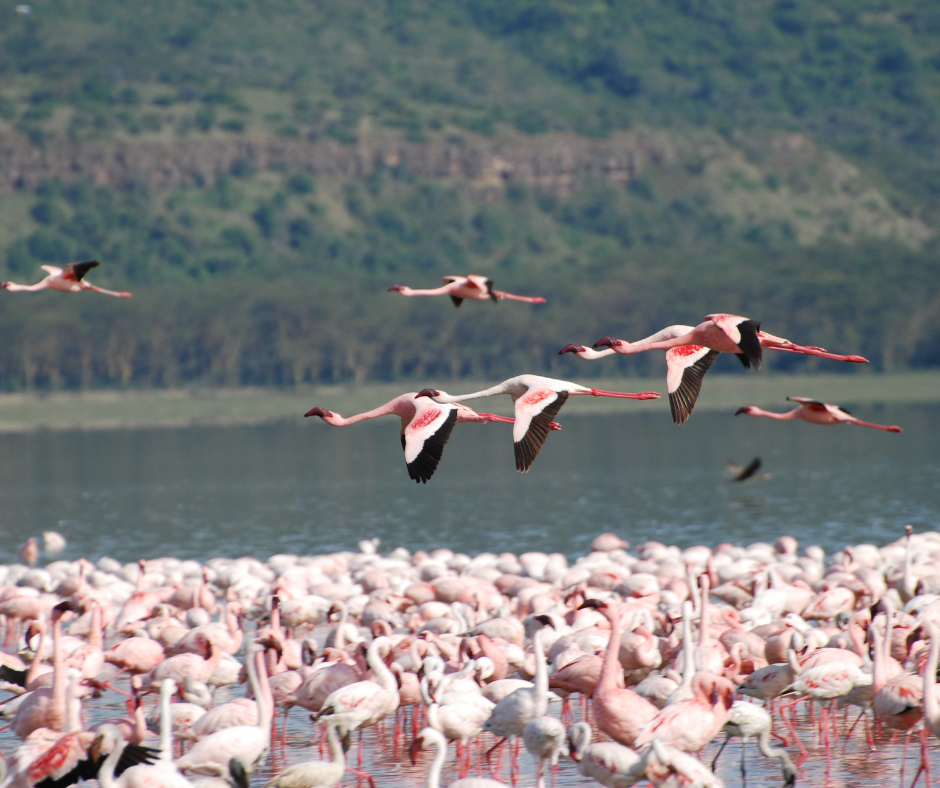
pixel 306 487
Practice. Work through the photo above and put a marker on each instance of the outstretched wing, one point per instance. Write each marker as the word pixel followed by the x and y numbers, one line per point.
pixel 424 437
pixel 457 301
pixel 77 271
pixel 535 412
pixel 686 365
pixel 743 332
pixel 746 473
pixel 52 270
pixel 13 676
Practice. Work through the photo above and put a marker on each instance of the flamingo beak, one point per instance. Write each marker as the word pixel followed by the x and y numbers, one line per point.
pixel 323 413
pixel 395 289
pixel 428 393
pixel 608 342
pixel 572 349
pixel 414 750
pixel 596 604
pixel 739 411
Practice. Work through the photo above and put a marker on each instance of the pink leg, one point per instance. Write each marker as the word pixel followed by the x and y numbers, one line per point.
pixel 907 743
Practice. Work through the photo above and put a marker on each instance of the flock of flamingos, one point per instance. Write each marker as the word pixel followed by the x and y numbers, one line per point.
pixel 654 652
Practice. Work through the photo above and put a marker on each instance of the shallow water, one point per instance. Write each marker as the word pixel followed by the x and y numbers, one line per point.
pixel 305 487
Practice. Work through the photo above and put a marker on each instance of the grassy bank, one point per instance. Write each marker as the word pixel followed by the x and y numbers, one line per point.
pixel 195 407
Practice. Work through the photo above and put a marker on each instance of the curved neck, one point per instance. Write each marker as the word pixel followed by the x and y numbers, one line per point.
pixel 384 676
pixel 608 679
pixel 37 657
pixel 59 678
pixel 931 704
pixel 336 746
pixel 388 409
pixel 106 772
pixel 585 741
pixel 440 753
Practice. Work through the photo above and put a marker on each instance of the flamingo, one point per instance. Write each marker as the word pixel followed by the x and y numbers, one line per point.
pixel 690 352
pixel 693 723
pixel 472 287
pixel 436 738
pixel 70 279
pixel 246 743
pixel 315 774
pixel 620 713
pixel 537 401
pixel 545 739
pixel 611 764
pixel 814 412
pixel 425 428
pixel 747 720
pixel 669 767
pixel 931 701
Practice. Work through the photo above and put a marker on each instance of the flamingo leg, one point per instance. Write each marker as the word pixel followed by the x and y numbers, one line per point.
pixel 721 750
pixel 361 775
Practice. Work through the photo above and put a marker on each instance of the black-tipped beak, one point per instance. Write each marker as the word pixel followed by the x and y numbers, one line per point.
pixel 739 411
pixel 395 289
pixel 545 621
pixel 428 393
pixel 572 349
pixel 323 413
pixel 595 604
pixel 608 342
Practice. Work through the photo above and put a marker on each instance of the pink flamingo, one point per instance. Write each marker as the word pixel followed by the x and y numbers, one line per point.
pixel 425 428
pixel 620 713
pixel 472 287
pixel 537 401
pixel 691 724
pixel 692 350
pixel 70 279
pixel 814 412
pixel 135 655
pixel 46 708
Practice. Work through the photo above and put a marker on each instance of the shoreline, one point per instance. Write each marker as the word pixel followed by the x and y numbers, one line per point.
pixel 216 407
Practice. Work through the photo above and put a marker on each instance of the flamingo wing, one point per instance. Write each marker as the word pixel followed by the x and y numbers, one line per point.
pixel 51 269
pixel 686 366
pixel 744 333
pixel 809 404
pixel 535 412
pixel 424 437
pixel 482 283
pixel 77 271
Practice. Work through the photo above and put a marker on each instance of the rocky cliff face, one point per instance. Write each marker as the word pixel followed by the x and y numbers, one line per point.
pixel 550 162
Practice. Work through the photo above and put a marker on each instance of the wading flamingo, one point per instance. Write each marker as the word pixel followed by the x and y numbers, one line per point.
pixel 70 279
pixel 691 350
pixel 813 412
pixel 611 764
pixel 620 713
pixel 537 401
pixel 436 738
pixel 425 428
pixel 473 287
pixel 749 720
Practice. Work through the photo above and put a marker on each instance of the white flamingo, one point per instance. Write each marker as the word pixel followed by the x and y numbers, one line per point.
pixel 436 738
pixel 70 279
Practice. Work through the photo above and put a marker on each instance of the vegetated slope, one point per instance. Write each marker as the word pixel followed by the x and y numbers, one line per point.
pixel 259 173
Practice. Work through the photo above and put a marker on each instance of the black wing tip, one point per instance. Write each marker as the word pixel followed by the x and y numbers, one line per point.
pixel 457 301
pixel 531 444
pixel 683 399
pixel 751 351
pixel 422 467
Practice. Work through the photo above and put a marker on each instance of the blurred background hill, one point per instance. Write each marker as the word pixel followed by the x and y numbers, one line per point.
pixel 259 172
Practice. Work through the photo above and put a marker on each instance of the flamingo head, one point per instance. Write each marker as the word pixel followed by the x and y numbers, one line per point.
pixel 4 285
pixel 545 621
pixel 416 746
pixel 608 342
pixel 428 393
pixel 595 604
pixel 572 349
pixel 746 410
pixel 323 413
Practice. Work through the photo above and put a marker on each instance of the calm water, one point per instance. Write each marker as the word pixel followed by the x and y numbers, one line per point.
pixel 305 487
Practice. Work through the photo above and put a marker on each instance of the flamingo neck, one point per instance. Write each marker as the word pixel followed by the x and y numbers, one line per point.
pixel 931 704
pixel 388 409
pixel 336 746
pixel 769 414
pixel 94 637
pixel 37 657
pixel 879 679
pixel 57 715
pixel 13 287
pixel 384 676
pixel 688 654
pixel 166 723
pixel 608 679
pixel 258 679
pixel 541 673
pixel 490 392
pixel 106 772
pixel 73 707
pixel 440 752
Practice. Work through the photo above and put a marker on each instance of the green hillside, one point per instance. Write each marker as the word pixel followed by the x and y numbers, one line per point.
pixel 259 173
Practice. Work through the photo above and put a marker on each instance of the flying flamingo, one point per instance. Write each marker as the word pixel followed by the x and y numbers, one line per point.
pixel 473 287
pixel 425 428
pixel 537 401
pixel 691 350
pixel 813 412
pixel 620 713
pixel 70 279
